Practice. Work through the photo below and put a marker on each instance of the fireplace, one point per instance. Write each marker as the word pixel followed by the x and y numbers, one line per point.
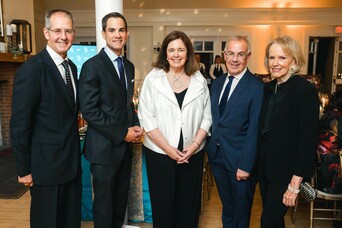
pixel 8 67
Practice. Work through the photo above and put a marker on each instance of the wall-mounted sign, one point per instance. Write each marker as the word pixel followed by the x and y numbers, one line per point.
pixel 338 29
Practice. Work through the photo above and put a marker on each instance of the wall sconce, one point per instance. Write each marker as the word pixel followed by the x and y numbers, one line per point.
pixel 23 37
pixel 156 47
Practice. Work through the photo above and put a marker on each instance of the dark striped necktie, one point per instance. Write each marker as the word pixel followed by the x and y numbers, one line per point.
pixel 225 94
pixel 69 86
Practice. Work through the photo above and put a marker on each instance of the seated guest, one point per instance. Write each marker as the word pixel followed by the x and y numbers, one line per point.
pixel 329 145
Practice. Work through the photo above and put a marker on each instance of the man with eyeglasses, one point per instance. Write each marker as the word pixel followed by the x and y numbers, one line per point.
pixel 44 131
pixel 236 99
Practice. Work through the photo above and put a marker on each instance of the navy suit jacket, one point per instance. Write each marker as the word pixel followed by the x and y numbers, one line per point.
pixel 105 110
pixel 236 131
pixel 44 131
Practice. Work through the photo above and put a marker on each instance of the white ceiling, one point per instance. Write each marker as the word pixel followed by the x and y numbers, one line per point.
pixel 195 4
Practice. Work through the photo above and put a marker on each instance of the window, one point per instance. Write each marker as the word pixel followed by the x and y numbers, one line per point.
pixel 203 46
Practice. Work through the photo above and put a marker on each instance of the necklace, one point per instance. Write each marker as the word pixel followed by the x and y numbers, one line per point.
pixel 177 84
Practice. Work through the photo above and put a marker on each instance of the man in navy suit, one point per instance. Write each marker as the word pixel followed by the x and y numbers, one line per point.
pixel 106 88
pixel 236 100
pixel 44 131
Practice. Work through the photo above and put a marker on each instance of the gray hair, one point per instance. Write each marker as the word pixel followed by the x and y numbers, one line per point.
pixel 238 38
pixel 54 11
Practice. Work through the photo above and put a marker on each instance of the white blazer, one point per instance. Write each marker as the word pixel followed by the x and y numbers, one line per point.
pixel 158 108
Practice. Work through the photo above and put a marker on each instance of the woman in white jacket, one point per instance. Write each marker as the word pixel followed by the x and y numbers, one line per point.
pixel 174 110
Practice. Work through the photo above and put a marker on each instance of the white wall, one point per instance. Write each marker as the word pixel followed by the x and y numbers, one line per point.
pixel 259 25
pixel 147 27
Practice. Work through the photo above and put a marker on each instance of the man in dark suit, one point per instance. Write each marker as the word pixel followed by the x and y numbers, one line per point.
pixel 236 100
pixel 44 131
pixel 106 90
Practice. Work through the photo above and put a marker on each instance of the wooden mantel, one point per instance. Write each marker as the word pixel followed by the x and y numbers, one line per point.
pixel 8 57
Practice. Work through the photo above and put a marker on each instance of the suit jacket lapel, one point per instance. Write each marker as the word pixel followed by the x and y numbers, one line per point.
pixel 129 81
pixel 109 65
pixel 74 72
pixel 195 89
pixel 237 93
pixel 75 76
pixel 162 85
pixel 216 95
pixel 56 76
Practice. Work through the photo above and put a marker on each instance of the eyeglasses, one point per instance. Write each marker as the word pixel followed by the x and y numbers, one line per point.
pixel 58 32
pixel 239 56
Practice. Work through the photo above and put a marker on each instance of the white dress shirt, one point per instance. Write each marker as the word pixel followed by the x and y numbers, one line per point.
pixel 58 60
pixel 234 83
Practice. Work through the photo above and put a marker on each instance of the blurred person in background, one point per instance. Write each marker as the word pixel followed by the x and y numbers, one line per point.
pixel 217 68
pixel 329 146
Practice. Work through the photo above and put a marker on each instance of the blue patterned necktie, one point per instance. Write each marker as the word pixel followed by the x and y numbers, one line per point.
pixel 225 95
pixel 122 77
pixel 69 87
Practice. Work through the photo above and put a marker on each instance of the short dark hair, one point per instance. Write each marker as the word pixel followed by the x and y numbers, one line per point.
pixel 53 11
pixel 115 15
pixel 161 62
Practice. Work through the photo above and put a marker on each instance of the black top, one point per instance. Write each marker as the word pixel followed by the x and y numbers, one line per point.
pixel 180 98
pixel 218 72
pixel 275 99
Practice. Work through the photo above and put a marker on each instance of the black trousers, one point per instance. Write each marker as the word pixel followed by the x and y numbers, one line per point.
pixel 111 185
pixel 272 198
pixel 273 208
pixel 175 190
pixel 55 206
